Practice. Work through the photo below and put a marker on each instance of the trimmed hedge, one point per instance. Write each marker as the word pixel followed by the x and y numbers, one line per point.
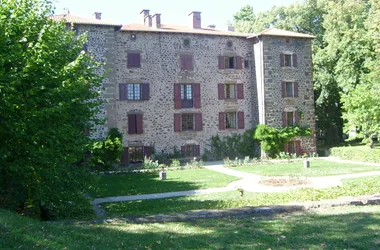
pixel 356 153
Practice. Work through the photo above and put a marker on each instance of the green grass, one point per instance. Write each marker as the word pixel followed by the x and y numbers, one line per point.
pixel 149 183
pixel 232 199
pixel 335 228
pixel 317 168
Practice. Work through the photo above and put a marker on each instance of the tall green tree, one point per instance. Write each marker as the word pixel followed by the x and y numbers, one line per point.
pixel 46 104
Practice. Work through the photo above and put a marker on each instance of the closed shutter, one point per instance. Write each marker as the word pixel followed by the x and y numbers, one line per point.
pixel 198 122
pixel 239 62
pixel 123 91
pixel 282 60
pixel 147 151
pixel 139 123
pixel 133 60
pixel 295 89
pixel 240 120
pixel 132 124
pixel 298 148
pixel 222 124
pixel 221 62
pixel 221 95
pixel 197 149
pixel 183 151
pixel 283 88
pixel 240 91
pixel 177 96
pixel 283 119
pixel 145 91
pixel 197 95
pixel 124 160
pixel 177 122
pixel 186 62
pixel 298 117
pixel 295 62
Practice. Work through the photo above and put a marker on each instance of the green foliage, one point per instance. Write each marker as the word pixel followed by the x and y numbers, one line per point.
pixel 273 140
pixel 107 152
pixel 356 153
pixel 46 102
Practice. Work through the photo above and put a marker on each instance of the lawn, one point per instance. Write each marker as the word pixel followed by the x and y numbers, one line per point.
pixel 149 183
pixel 335 228
pixel 232 199
pixel 317 168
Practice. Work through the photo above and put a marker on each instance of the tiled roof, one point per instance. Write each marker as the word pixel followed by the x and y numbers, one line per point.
pixel 278 32
pixel 82 20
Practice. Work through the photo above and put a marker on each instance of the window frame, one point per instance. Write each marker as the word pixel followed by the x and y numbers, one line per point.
pixel 230 119
pixel 185 126
pixel 230 91
pixel 135 96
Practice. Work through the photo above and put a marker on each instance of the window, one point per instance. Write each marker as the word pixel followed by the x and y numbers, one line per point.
pixel 293 147
pixel 289 89
pixel 246 64
pixel 290 119
pixel 188 122
pixel 187 96
pixel 190 150
pixel 186 92
pixel 230 62
pixel 230 91
pixel 288 60
pixel 135 124
pixel 133 91
pixel 231 120
pixel 186 62
pixel 136 154
pixel 133 60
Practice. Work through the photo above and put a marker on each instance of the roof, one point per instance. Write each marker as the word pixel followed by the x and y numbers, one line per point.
pixel 278 32
pixel 82 20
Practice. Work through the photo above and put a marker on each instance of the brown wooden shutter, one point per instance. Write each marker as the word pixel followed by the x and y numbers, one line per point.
pixel 145 91
pixel 133 60
pixel 295 89
pixel 132 124
pixel 221 95
pixel 197 95
pixel 198 122
pixel 222 124
pixel 297 117
pixel 139 123
pixel 189 62
pixel 197 150
pixel 123 91
pixel 239 62
pixel 147 151
pixel 240 91
pixel 183 151
pixel 282 60
pixel 298 148
pixel 283 88
pixel 124 160
pixel 295 62
pixel 284 119
pixel 177 122
pixel 221 62
pixel 240 120
pixel 177 96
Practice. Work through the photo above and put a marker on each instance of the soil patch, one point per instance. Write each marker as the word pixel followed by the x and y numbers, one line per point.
pixel 290 182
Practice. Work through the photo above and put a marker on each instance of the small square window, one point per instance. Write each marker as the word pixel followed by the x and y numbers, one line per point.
pixel 231 120
pixel 187 122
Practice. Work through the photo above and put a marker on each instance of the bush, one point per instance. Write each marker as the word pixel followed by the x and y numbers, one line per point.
pixel 356 153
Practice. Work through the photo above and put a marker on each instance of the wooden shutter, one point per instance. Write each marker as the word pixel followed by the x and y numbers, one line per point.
pixel 177 122
pixel 240 91
pixel 132 124
pixel 133 60
pixel 147 151
pixel 222 124
pixel 197 149
pixel 123 91
pixel 297 117
pixel 177 96
pixel 197 95
pixel 145 91
pixel 183 151
pixel 295 89
pixel 221 95
pixel 282 60
pixel 221 62
pixel 198 122
pixel 186 62
pixel 240 120
pixel 283 119
pixel 295 62
pixel 239 62
pixel 283 88
pixel 139 123
pixel 298 148
pixel 124 160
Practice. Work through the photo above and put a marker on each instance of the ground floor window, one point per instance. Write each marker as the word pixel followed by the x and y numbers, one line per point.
pixel 136 154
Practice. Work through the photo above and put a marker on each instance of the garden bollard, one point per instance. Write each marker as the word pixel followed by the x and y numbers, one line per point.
pixel 162 175
pixel 306 164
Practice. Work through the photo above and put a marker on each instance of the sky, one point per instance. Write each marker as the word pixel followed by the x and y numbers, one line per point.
pixel 172 11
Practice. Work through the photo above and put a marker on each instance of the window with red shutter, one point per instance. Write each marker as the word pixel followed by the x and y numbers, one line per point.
pixel 221 62
pixel 283 88
pixel 133 60
pixel 239 62
pixel 222 125
pixel 123 93
pixel 186 62
pixel 124 160
pixel 240 120
pixel 139 123
pixel 221 95
pixel 295 89
pixel 298 147
pixel 295 62
pixel 177 122
pixel 145 91
pixel 240 91
pixel 177 96
pixel 197 95
pixel 198 122
pixel 135 124
pixel 297 117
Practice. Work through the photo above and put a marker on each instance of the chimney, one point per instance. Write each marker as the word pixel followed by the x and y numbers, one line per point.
pixel 156 21
pixel 231 28
pixel 211 26
pixel 147 18
pixel 195 20
pixel 97 15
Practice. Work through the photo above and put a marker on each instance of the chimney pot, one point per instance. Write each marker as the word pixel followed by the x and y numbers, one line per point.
pixel 231 28
pixel 156 21
pixel 147 18
pixel 98 15
pixel 195 20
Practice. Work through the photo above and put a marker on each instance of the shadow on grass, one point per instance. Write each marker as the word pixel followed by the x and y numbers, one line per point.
pixel 356 228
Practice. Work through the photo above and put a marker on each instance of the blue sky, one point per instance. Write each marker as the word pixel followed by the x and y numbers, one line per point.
pixel 172 11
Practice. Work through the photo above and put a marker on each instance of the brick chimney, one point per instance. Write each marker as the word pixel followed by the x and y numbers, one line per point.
pixel 156 21
pixel 147 18
pixel 195 20
pixel 97 15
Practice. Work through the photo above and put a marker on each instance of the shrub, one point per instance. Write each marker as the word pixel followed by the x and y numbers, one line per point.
pixel 356 153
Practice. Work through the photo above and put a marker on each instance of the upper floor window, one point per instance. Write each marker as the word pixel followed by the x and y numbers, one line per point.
pixel 188 122
pixel 230 91
pixel 186 62
pixel 231 120
pixel 135 124
pixel 290 119
pixel 186 92
pixel 133 60
pixel 133 91
pixel 288 60
pixel 187 96
pixel 230 62
pixel 289 89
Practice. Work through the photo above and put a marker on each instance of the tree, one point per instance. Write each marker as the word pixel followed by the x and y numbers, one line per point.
pixel 46 104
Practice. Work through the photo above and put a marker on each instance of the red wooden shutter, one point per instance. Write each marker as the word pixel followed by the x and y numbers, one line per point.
pixel 222 124
pixel 147 151
pixel 123 91
pixel 282 60
pixel 124 160
pixel 177 96
pixel 133 60
pixel 239 62
pixel 298 117
pixel 240 120
pixel 132 124
pixel 197 150
pixel 145 91
pixel 189 62
pixel 295 62
pixel 295 89
pixel 197 95
pixel 221 62
pixel 183 151
pixel 240 91
pixel 298 147
pixel 221 95
pixel 139 123
pixel 177 122
pixel 284 119
pixel 283 88
pixel 198 122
